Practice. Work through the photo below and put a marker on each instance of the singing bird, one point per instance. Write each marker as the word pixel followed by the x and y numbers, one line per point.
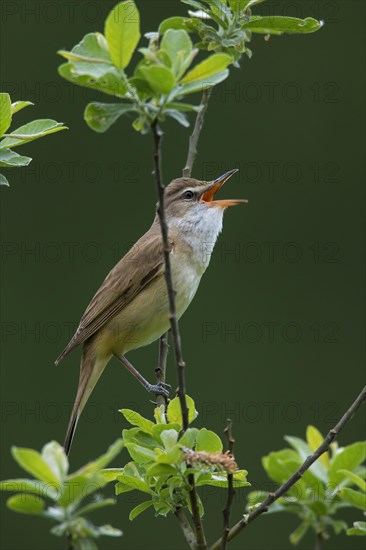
pixel 130 309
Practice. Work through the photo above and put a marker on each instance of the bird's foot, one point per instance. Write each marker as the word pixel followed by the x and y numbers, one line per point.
pixel 161 388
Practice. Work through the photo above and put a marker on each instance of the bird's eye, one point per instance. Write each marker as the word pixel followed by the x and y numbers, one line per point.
pixel 188 195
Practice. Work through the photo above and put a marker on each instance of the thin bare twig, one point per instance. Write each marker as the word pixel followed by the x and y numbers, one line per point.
pixel 177 346
pixel 230 488
pixel 161 370
pixel 272 497
pixel 186 528
pixel 318 541
pixel 193 140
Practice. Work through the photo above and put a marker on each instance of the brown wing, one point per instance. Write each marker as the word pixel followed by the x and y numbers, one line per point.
pixel 133 272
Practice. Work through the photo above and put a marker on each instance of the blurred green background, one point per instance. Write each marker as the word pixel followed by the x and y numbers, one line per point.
pixel 275 336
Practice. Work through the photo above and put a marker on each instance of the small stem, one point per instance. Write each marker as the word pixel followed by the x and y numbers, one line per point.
pixel 318 541
pixel 161 370
pixel 186 528
pixel 272 497
pixel 70 542
pixel 193 140
pixel 230 488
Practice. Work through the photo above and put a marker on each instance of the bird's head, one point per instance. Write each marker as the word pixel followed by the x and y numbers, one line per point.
pixel 191 201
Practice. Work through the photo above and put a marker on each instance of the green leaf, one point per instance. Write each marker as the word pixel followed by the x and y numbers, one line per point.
pixel 96 465
pixel 249 3
pixel 238 6
pixel 337 525
pixel 159 414
pixel 281 465
pixel 172 23
pixel 122 31
pixel 95 506
pixel 318 469
pixel 210 66
pixel 136 435
pixel 278 25
pixel 200 85
pixel 93 48
pixel 130 483
pixel 111 474
pixel 169 438
pixel 178 116
pixel 185 107
pixel 136 419
pixel 208 441
pixel 299 532
pixel 3 180
pixel 160 78
pixel 5 113
pixel 31 131
pixel 189 438
pixel 178 45
pixel 56 458
pixel 159 428
pixel 10 159
pixel 174 412
pixel 359 528
pixel 157 470
pixel 357 480
pixel 170 457
pixel 139 509
pixel 140 454
pixel 220 480
pixel 19 105
pixel 101 116
pixel 31 486
pixel 347 459
pixel 355 498
pixel 109 531
pixel 315 439
pixel 32 462
pixel 195 4
pixel 26 503
pixel 90 57
pixel 111 82
pixel 78 486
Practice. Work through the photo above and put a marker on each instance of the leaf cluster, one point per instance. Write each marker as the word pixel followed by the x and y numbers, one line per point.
pixel 55 494
pixel 323 490
pixel 28 132
pixel 227 25
pixel 163 457
pixel 158 85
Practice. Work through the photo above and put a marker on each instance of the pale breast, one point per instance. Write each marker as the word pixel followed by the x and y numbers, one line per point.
pixel 146 318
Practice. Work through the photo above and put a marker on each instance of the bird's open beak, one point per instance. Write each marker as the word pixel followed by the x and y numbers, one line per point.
pixel 208 196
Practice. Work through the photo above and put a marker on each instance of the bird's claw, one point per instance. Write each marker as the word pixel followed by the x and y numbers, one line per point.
pixel 161 388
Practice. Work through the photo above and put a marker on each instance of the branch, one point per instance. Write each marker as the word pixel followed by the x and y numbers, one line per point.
pixel 272 497
pixel 230 488
pixel 193 140
pixel 177 346
pixel 161 370
pixel 186 527
pixel 318 541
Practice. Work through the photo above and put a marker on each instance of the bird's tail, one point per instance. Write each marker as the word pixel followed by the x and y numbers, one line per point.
pixel 91 367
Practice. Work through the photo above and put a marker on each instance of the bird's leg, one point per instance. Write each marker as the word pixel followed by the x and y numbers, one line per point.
pixel 158 389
